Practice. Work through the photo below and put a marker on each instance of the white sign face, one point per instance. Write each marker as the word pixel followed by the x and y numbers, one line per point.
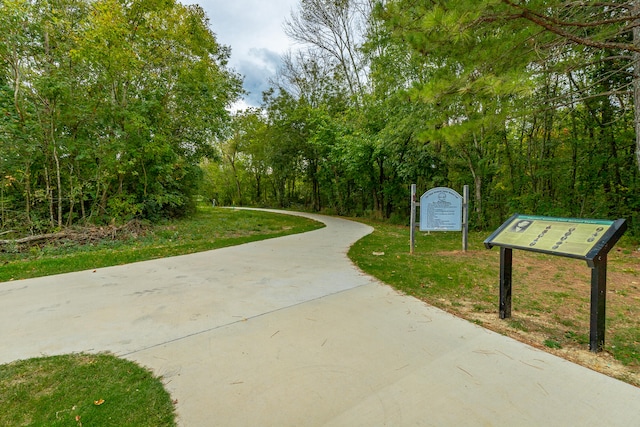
pixel 441 210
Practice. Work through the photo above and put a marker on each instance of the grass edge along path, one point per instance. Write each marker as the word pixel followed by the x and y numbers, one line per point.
pixel 102 389
pixel 551 295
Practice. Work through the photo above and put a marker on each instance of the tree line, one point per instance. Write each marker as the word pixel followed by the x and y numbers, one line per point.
pixel 530 103
pixel 115 109
pixel 107 108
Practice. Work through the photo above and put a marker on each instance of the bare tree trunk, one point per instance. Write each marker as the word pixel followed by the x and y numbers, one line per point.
pixel 636 78
pixel 2 216
pixel 477 183
pixel 49 194
pixel 27 186
pixel 236 179
pixel 59 182
pixel 72 199
pixel 82 208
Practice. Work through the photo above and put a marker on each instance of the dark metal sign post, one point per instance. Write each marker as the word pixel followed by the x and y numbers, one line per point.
pixel 587 239
pixel 506 258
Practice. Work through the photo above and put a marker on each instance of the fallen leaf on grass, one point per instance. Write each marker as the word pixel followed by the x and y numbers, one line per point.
pixel 98 402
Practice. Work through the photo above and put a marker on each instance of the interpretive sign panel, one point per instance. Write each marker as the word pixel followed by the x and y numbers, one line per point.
pixel 441 210
pixel 588 239
pixel 574 238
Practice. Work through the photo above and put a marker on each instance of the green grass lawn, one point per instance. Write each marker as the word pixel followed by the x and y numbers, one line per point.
pixel 209 229
pixel 82 389
pixel 438 272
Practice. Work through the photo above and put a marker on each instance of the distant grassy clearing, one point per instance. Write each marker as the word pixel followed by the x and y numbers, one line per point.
pixel 210 228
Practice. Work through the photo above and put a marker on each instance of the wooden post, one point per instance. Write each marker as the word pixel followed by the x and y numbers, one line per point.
pixel 465 218
pixel 412 232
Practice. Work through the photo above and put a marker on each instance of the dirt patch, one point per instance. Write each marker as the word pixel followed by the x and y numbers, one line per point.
pixel 551 308
pixel 603 362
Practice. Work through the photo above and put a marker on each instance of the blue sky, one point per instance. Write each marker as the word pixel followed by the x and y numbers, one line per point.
pixel 253 30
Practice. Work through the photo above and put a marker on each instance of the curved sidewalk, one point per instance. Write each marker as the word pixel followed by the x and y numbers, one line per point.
pixel 287 332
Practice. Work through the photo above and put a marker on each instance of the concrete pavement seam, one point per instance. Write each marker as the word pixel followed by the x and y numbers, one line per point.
pixel 244 319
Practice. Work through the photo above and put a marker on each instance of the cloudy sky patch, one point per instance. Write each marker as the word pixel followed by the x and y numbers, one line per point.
pixel 257 68
pixel 254 31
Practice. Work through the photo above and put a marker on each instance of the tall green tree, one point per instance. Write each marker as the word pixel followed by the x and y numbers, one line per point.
pixel 531 102
pixel 492 64
pixel 109 106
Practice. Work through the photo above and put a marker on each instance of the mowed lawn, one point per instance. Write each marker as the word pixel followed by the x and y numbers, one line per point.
pixel 209 228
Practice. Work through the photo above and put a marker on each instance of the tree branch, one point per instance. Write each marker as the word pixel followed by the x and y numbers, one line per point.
pixel 555 26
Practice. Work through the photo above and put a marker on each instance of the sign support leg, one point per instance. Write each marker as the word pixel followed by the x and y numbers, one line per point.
pixel 465 218
pixel 598 299
pixel 412 225
pixel 506 264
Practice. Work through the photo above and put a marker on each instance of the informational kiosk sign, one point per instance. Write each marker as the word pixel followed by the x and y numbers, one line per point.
pixel 441 210
pixel 574 238
pixel 587 239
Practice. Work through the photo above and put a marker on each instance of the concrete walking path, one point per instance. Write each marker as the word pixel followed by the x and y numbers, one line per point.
pixel 287 332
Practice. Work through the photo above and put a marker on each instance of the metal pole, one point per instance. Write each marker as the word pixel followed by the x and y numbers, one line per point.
pixel 465 218
pixel 412 233
pixel 598 303
pixel 506 263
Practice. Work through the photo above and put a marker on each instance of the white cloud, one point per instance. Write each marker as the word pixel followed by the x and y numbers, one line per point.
pixel 254 31
pixel 260 65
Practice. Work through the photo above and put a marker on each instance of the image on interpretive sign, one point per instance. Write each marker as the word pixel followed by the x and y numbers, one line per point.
pixel 441 210
pixel 567 236
pixel 521 226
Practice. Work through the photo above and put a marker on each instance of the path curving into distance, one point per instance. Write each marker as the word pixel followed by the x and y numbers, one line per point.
pixel 287 332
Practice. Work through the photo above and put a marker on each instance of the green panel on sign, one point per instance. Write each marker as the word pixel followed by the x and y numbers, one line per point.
pixel 574 220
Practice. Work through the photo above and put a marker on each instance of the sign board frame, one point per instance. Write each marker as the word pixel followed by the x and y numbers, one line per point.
pixel 415 204
pixel 586 239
